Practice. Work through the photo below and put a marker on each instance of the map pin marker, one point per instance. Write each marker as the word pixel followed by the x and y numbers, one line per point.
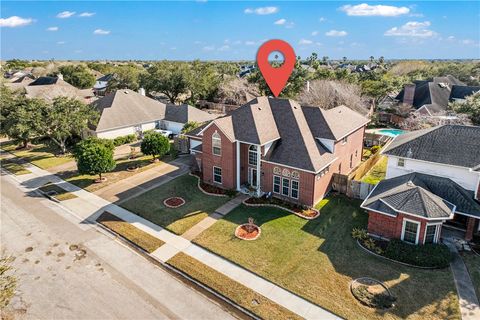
pixel 276 78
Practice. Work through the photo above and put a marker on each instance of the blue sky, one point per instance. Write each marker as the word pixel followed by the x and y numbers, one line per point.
pixel 221 30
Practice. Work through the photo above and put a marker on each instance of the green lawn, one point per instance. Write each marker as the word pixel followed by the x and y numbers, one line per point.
pixel 149 205
pixel 317 259
pixel 244 296
pixel 41 155
pixel 87 182
pixel 472 261
pixel 61 194
pixel 13 167
pixel 377 172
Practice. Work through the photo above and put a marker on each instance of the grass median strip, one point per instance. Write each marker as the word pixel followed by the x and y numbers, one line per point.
pixel 13 167
pixel 243 296
pixel 57 192
pixel 140 238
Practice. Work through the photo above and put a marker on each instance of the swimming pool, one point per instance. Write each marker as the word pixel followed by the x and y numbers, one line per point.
pixel 390 132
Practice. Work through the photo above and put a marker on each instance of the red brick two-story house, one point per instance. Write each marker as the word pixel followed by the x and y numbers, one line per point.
pixel 276 145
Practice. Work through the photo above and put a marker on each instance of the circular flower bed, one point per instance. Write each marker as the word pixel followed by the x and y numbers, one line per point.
pixel 248 231
pixel 132 168
pixel 372 293
pixel 174 202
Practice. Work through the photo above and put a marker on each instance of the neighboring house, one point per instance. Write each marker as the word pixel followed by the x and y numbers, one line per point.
pixel 49 88
pixel 101 84
pixel 431 97
pixel 19 82
pixel 433 178
pixel 126 112
pixel 277 146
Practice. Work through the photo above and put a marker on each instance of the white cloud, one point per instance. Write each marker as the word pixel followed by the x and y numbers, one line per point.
pixel 451 38
pixel 101 32
pixel 376 10
pixel 208 48
pixel 336 33
pixel 315 33
pixel 15 21
pixel 468 41
pixel 322 19
pixel 411 29
pixel 173 48
pixel 224 48
pixel 305 42
pixel 261 11
pixel 249 43
pixel 86 14
pixel 285 23
pixel 52 29
pixel 61 42
pixel 65 14
pixel 280 22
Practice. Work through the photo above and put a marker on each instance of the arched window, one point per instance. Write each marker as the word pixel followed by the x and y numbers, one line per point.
pixel 295 175
pixel 286 173
pixel 277 170
pixel 216 144
pixel 252 155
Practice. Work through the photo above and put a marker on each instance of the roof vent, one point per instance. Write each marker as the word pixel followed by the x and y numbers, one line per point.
pixel 410 183
pixel 259 108
pixel 125 91
pixel 409 153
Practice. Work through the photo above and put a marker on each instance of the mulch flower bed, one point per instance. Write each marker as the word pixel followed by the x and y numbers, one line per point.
pixel 372 293
pixel 248 231
pixel 299 210
pixel 174 202
pixel 103 179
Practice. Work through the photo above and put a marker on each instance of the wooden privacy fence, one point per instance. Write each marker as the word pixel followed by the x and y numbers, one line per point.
pixel 351 188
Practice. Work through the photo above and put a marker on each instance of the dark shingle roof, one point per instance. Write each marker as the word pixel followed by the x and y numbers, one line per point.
pixel 291 128
pixel 448 144
pixel 422 195
pixel 185 113
pixel 461 92
pixel 106 77
pixel 42 81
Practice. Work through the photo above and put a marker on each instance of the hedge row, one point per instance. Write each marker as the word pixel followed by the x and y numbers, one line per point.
pixel 118 141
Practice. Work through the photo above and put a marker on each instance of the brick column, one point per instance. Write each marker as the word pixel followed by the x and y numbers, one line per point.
pixel 470 226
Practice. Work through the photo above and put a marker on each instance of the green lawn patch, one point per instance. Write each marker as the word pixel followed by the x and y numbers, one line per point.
pixel 41 155
pixel 139 237
pixel 87 182
pixel 13 167
pixel 243 296
pixel 377 172
pixel 318 259
pixel 59 193
pixel 472 261
pixel 198 205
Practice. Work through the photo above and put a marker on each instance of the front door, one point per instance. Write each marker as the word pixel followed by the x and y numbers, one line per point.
pixel 252 177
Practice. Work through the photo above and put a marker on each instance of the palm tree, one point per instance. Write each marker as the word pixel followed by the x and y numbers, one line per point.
pixel 372 58
pixel 344 59
pixel 381 60
pixel 325 59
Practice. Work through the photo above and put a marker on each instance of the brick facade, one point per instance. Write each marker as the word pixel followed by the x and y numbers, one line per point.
pixel 312 187
pixel 391 227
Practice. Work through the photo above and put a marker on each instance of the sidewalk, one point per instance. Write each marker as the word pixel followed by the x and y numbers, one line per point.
pixel 89 206
pixel 469 306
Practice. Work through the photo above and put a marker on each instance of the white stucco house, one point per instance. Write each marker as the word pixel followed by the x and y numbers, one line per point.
pixel 432 180
pixel 125 112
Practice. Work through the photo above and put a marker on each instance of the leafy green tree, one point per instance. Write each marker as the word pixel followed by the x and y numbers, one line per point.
pixel 470 107
pixel 375 89
pixel 155 144
pixel 125 77
pixel 203 81
pixel 381 60
pixel 312 59
pixel 104 68
pixel 372 58
pixel 324 74
pixel 171 79
pixel 190 125
pixel 20 117
pixel 94 156
pixel 325 59
pixel 65 118
pixel 344 59
pixel 78 76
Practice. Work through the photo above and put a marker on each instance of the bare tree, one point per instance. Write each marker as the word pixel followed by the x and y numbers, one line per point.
pixel 329 94
pixel 417 122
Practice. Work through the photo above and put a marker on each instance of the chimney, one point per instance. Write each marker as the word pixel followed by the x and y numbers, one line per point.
pixel 60 76
pixel 308 86
pixel 409 94
pixel 141 91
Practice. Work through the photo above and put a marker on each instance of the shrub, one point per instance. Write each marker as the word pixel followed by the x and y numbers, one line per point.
pixel 428 255
pixel 155 144
pixel 359 234
pixel 94 156
pixel 374 149
pixel 231 192
pixel 118 141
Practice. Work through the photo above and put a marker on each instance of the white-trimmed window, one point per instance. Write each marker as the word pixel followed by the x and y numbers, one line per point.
pixel 277 170
pixel 295 188
pixel 401 162
pixel 285 187
pixel 217 175
pixel 276 184
pixel 410 231
pixel 252 155
pixel 431 233
pixel 216 144
pixel 286 173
